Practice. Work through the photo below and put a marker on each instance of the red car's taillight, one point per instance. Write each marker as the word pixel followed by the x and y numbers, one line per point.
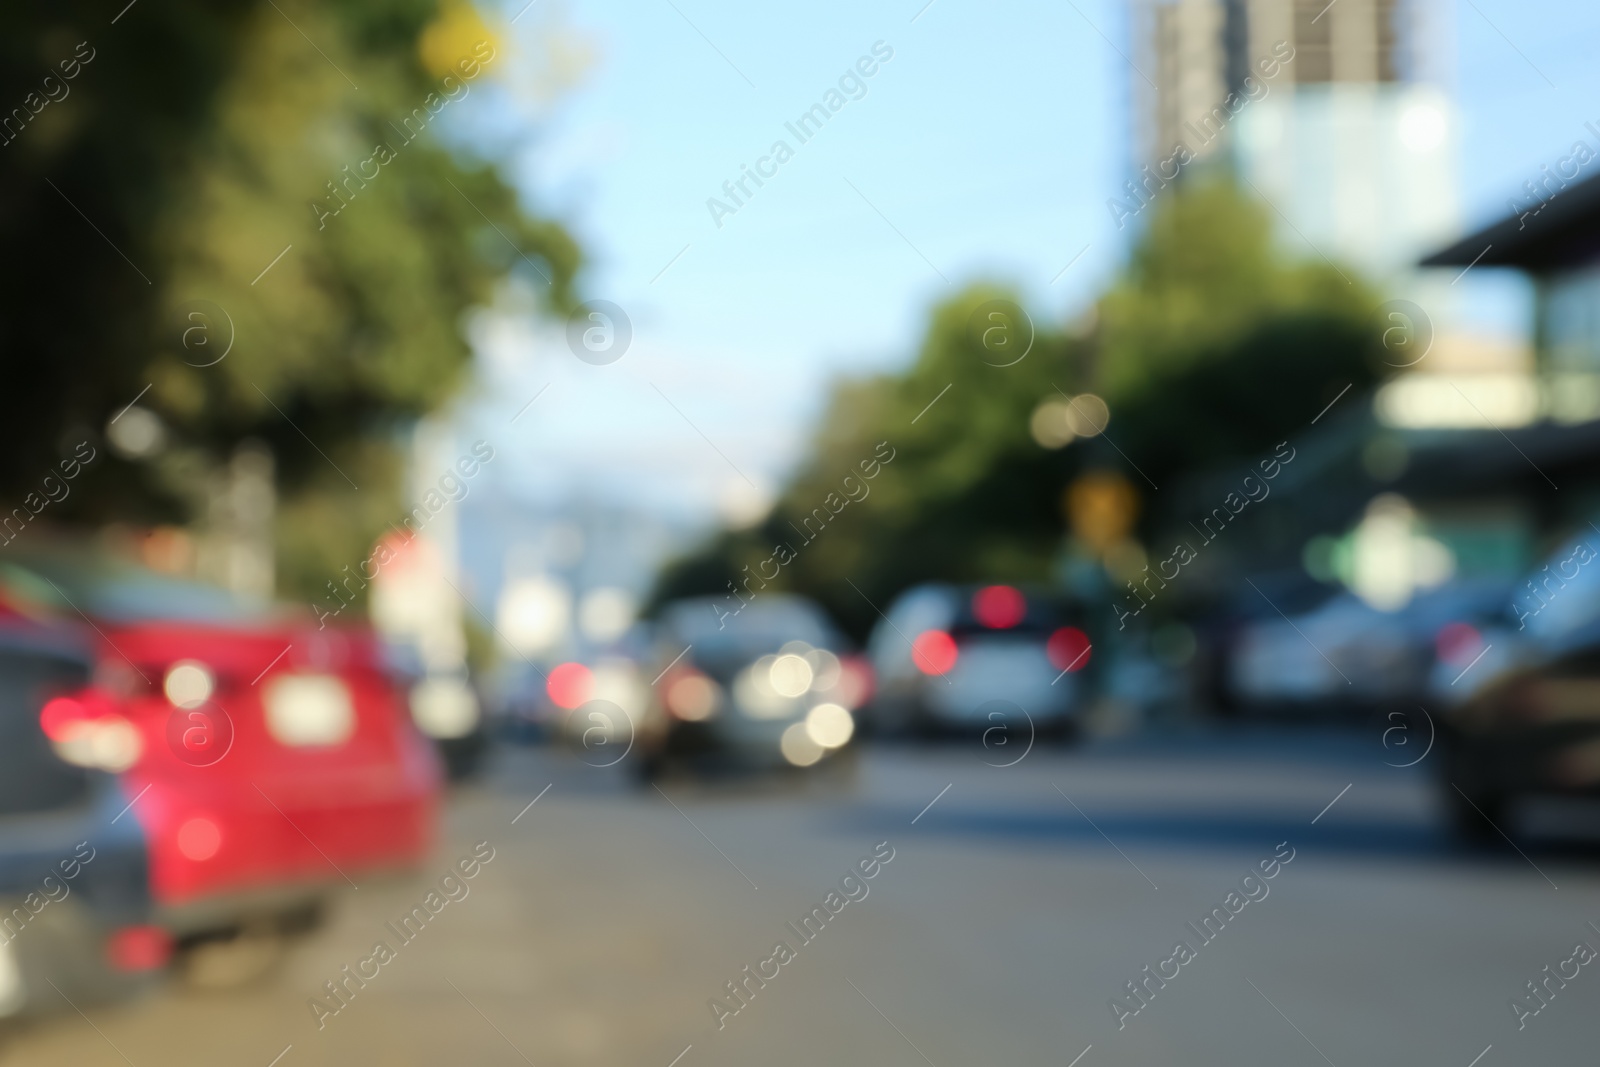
pixel 84 729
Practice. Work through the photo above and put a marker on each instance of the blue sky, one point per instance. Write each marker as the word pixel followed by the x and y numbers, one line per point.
pixel 985 148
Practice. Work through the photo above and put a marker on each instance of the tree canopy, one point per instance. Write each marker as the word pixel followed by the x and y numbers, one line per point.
pixel 159 206
pixel 1211 344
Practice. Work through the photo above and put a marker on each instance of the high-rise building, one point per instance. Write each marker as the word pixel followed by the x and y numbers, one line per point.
pixel 1333 112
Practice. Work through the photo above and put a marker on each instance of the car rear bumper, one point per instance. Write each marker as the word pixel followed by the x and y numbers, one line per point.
pixel 68 880
pixel 964 702
pixel 711 744
pixel 59 960
pixel 269 846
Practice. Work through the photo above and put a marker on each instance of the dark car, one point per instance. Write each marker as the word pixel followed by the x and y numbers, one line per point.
pixel 446 707
pixel 965 657
pixel 772 686
pixel 1526 718
pixel 75 907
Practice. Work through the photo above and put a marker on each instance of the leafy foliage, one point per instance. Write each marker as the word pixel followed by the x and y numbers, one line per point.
pixel 194 145
pixel 1213 344
pixel 960 499
pixel 1210 346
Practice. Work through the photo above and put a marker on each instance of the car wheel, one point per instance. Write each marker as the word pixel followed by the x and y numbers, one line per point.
pixel 463 757
pixel 1067 733
pixel 304 918
pixel 233 962
pixel 648 769
pixel 1476 818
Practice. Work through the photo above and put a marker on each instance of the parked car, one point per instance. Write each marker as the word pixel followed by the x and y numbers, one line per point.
pixel 773 686
pixel 445 706
pixel 270 761
pixel 516 704
pixel 75 906
pixel 1221 626
pixel 954 657
pixel 1520 713
pixel 541 702
pixel 1345 655
pixel 594 706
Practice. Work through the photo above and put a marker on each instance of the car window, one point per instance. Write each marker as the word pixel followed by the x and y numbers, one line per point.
pixel 126 593
pixel 761 627
pixel 1564 593
pixel 1038 615
pixel 925 608
pixel 32 778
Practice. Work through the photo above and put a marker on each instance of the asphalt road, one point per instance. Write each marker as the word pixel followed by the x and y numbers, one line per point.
pixel 1014 909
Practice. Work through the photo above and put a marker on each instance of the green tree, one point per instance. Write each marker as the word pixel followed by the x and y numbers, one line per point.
pixel 967 495
pixel 1214 343
pixel 1210 346
pixel 195 145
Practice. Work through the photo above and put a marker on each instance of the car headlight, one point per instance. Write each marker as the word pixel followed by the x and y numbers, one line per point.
pixel 798 747
pixel 692 697
pixel 757 696
pixel 829 725
pixel 790 675
pixel 825 669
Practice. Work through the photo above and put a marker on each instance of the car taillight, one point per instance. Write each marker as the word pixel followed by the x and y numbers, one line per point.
pixel 139 948
pixel 85 730
pixel 690 695
pixel 570 685
pixel 62 716
pixel 1068 649
pixel 934 652
pixel 830 725
pixel 999 607
pixel 854 687
pixel 1457 642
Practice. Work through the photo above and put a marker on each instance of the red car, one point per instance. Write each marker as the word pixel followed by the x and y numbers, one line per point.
pixel 267 761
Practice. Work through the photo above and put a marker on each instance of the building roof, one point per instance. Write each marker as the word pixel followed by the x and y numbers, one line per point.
pixel 1565 233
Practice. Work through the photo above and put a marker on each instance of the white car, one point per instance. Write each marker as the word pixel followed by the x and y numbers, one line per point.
pixel 952 658
pixel 1347 654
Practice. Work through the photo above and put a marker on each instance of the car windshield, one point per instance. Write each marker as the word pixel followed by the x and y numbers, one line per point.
pixel 760 628
pixel 1563 594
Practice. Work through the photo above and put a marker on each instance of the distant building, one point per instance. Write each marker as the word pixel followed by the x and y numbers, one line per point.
pixel 1334 112
pixel 1497 465
pixel 1472 467
pixel 1556 242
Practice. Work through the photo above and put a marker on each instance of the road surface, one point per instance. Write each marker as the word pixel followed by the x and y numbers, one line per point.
pixel 1018 903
